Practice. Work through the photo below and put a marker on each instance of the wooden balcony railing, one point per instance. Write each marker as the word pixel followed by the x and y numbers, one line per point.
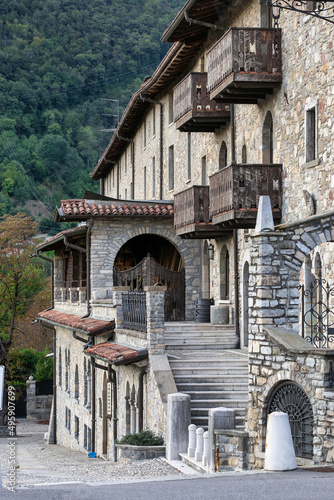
pixel 235 192
pixel 193 109
pixel 243 65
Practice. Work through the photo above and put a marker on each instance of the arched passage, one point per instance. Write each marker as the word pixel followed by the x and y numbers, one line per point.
pixel 148 260
pixel 290 398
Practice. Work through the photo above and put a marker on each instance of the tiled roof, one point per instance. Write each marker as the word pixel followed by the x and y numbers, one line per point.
pixel 117 354
pixel 88 325
pixel 77 231
pixel 81 209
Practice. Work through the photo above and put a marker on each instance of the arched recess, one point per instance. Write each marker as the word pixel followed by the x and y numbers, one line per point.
pixel 127 409
pixel 289 397
pixel 244 154
pixel 147 260
pixel 245 308
pixel 224 273
pixel 223 156
pixel 105 419
pixel 267 139
pixel 205 272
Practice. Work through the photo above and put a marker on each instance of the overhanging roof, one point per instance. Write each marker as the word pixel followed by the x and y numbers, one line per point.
pixel 57 241
pixel 89 326
pixel 117 354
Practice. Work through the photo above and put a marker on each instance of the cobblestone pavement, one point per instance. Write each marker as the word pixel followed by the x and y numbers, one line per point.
pixel 39 463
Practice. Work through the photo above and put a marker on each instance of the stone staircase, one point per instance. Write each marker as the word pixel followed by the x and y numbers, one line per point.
pixel 206 365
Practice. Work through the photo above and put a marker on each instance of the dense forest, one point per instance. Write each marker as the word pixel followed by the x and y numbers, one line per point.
pixel 67 70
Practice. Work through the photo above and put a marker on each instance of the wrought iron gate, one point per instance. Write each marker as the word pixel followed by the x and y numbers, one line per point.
pixel 318 313
pixel 149 273
pixel 290 398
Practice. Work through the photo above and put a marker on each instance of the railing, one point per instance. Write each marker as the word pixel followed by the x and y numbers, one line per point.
pixel 239 186
pixel 77 295
pixel 191 206
pixel 134 311
pixel 317 304
pixel 191 94
pixel 249 50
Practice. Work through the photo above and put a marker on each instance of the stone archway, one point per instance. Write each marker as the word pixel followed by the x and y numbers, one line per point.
pixel 290 398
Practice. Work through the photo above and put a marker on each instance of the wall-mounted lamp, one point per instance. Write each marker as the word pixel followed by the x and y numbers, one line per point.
pixel 211 251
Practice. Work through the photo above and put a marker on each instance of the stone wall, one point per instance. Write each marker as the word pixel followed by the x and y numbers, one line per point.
pixel 279 355
pixel 38 407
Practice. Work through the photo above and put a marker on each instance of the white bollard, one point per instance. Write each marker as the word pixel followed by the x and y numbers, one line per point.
pixel 280 453
pixel 205 448
pixel 199 444
pixel 192 440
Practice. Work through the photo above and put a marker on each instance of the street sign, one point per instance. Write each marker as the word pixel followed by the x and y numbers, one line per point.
pixel 2 384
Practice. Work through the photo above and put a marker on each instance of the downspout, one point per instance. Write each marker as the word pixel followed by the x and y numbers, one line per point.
pixel 54 388
pixel 93 403
pixel 147 99
pixel 235 239
pixel 117 181
pixel 133 170
pixel 112 376
pixel 141 398
pixel 36 254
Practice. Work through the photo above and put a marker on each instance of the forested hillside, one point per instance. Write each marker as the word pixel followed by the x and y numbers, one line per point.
pixel 64 66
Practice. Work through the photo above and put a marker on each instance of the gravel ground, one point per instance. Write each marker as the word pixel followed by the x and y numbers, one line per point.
pixel 39 463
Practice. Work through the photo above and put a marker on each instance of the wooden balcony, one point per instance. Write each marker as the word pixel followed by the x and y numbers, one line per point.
pixel 243 66
pixel 235 192
pixel 193 109
pixel 191 209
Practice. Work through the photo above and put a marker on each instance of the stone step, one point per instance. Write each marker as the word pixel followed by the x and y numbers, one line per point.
pixel 195 347
pixel 214 370
pixel 190 326
pixel 209 381
pixel 221 386
pixel 242 396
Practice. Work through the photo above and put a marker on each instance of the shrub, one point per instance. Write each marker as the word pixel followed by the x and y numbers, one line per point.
pixel 142 438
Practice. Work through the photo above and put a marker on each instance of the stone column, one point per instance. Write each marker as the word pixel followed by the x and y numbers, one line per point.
pixel 178 421
pixel 155 307
pixel 117 299
pixel 31 397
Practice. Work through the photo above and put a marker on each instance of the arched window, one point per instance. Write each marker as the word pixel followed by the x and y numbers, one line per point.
pixel 267 139
pixel 127 409
pixel 224 274
pixel 85 382
pixel 60 369
pixel 67 370
pixel 223 155
pixel 244 154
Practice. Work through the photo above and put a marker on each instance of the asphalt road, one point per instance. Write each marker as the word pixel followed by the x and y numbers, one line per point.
pixel 294 485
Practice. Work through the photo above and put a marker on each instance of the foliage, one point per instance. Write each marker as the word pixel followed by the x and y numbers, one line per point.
pixel 142 438
pixel 20 277
pixel 25 362
pixel 62 65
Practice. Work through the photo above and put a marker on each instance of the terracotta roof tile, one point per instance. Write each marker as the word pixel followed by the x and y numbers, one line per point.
pixel 119 208
pixel 88 325
pixel 116 353
pixel 69 232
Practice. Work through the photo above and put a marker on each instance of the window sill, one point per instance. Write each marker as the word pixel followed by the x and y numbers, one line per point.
pixel 312 163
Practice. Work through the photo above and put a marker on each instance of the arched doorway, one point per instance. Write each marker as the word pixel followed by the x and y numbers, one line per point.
pixel 245 310
pixel 290 398
pixel 267 139
pixel 149 260
pixel 224 274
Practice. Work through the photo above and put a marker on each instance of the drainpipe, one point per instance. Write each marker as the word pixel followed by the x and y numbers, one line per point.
pixel 112 377
pixel 147 99
pixel 117 181
pixel 54 387
pixel 36 254
pixel 235 238
pixel 93 402
pixel 133 170
pixel 141 398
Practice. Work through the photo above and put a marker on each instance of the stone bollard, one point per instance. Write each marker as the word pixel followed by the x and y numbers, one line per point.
pixel 178 420
pixel 280 453
pixel 199 444
pixel 205 448
pixel 192 440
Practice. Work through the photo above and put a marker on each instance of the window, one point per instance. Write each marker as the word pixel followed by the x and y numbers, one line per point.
pixel 120 169
pixel 68 419
pixel 125 161
pixel 60 369
pixel 76 428
pixel 67 370
pixel 189 156
pixel 224 274
pixel 113 177
pixel 266 16
pixel 85 436
pixel 267 139
pixel 204 176
pixel 153 177
pixel 126 194
pixel 145 183
pixel 171 168
pixel 170 109
pixel 153 121
pixel 244 154
pixel 76 383
pixel 144 144
pixel 222 156
pixel 310 134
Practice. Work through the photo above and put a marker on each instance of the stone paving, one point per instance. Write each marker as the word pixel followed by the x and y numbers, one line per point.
pixel 39 463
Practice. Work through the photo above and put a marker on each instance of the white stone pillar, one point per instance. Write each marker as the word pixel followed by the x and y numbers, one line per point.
pixel 205 448
pixel 280 453
pixel 192 440
pixel 178 420
pixel 132 417
pixel 199 444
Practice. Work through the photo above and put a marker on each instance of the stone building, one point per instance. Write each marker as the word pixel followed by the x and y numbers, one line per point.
pixel 237 109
